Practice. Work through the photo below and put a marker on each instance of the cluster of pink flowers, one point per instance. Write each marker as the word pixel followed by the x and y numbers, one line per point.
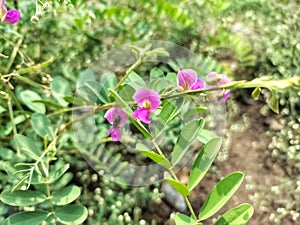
pixel 9 16
pixel 188 80
pixel 149 100
pixel 146 99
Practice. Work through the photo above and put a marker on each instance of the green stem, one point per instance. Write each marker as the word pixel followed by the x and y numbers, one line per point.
pixel 35 67
pixel 142 54
pixel 175 178
pixel 13 55
pixel 133 67
pixel 12 119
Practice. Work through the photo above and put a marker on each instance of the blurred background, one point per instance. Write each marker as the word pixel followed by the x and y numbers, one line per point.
pixel 243 39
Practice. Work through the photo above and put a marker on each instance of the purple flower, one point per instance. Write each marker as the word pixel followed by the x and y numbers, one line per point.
pixel 148 101
pixel 9 16
pixel 188 80
pixel 117 117
pixel 214 79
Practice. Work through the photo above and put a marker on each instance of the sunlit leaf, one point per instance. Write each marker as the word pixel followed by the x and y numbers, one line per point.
pixel 239 215
pixel 22 198
pixel 203 162
pixel 220 194
pixel 157 158
pixel 26 218
pixel 57 171
pixel 181 188
pixel 273 102
pixel 66 195
pixel 181 219
pixel 71 214
pixel 256 93
pixel 187 137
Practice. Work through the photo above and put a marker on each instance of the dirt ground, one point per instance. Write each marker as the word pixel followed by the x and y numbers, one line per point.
pixel 248 153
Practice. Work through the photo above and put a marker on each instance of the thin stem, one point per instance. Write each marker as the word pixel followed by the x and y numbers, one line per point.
pixel 13 55
pixel 142 55
pixel 175 178
pixel 133 67
pixel 36 7
pixel 12 119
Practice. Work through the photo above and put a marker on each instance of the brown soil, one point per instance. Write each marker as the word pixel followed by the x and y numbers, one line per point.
pixel 247 153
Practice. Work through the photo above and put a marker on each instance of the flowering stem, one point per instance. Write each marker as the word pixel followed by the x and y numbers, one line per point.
pixel 263 82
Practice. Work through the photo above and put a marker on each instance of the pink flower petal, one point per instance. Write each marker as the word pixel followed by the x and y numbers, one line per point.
pixel 109 132
pixel 113 113
pixel 225 97
pixel 116 134
pixel 142 114
pixel 12 16
pixel 3 6
pixel 198 85
pixel 142 95
pixel 186 78
pixel 224 80
pixel 214 79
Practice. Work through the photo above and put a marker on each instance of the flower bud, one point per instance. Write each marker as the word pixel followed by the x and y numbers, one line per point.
pixel 34 19
pixel 179 89
pixel 46 6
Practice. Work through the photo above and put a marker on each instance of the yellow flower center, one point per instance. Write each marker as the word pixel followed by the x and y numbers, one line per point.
pixel 186 86
pixel 147 104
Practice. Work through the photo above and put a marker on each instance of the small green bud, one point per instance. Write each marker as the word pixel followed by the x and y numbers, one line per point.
pixel 34 19
pixel 46 6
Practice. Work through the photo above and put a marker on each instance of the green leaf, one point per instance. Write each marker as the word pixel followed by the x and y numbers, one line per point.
pixel 172 77
pixel 205 136
pixel 273 102
pixel 256 93
pixel 27 146
pixel 42 125
pixel 28 97
pixel 156 73
pixel 135 80
pixel 127 92
pixel 194 112
pixel 26 218
pixel 129 112
pixel 22 198
pixel 167 111
pixel 181 188
pixel 157 158
pixel 187 137
pixel 57 171
pixel 71 214
pixel 203 162
pixel 237 216
pixel 220 194
pixel 181 219
pixel 66 195
pixel 60 87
